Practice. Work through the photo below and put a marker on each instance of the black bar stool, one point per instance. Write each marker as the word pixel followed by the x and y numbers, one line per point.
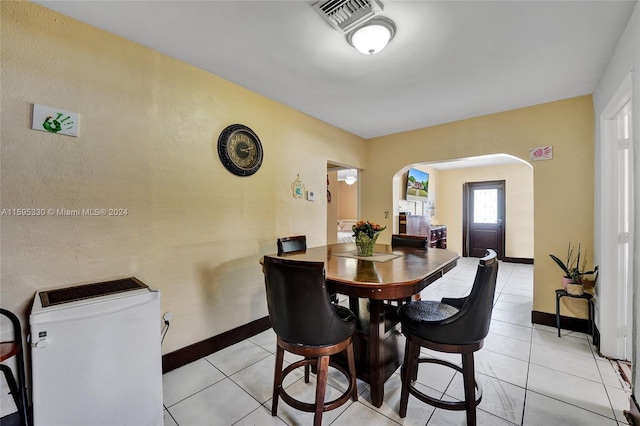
pixel 307 324
pixel 9 350
pixel 452 326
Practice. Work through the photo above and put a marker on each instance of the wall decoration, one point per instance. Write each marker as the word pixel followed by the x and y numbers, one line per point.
pixel 55 120
pixel 298 188
pixel 541 153
pixel 240 150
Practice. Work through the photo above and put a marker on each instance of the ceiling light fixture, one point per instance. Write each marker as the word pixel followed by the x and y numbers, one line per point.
pixel 348 176
pixel 371 37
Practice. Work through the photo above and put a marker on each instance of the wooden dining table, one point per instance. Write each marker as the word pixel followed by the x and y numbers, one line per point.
pixel 372 284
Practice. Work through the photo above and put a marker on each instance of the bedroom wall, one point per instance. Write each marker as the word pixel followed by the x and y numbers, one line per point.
pixel 332 208
pixel 347 201
pixel 149 126
pixel 563 186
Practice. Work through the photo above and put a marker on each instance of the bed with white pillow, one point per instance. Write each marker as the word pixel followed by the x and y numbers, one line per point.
pixel 345 233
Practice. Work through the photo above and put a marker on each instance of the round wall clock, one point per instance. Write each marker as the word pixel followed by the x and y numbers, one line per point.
pixel 240 150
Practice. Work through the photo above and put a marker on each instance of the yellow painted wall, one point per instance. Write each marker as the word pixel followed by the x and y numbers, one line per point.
pixel 149 126
pixel 563 187
pixel 519 205
pixel 431 208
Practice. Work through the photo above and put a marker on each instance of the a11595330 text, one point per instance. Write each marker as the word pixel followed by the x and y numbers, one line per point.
pixel 63 212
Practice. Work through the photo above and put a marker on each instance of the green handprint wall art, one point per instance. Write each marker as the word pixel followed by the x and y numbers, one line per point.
pixel 54 120
pixel 54 125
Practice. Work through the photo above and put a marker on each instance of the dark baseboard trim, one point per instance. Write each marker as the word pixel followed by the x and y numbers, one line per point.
pixel 525 260
pixel 566 323
pixel 633 415
pixel 198 350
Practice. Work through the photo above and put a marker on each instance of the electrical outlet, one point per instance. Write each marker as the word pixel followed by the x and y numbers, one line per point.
pixel 167 316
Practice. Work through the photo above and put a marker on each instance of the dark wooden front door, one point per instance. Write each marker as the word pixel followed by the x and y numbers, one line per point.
pixel 483 212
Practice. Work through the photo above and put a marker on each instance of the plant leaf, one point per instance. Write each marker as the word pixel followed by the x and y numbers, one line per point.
pixel 561 264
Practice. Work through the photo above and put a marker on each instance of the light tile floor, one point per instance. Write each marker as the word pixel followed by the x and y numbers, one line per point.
pixel 529 375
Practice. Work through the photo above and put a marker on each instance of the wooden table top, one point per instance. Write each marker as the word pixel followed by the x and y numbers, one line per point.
pixel 392 273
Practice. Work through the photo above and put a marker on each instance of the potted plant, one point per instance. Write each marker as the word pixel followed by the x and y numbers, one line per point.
pixel 573 271
pixel 366 233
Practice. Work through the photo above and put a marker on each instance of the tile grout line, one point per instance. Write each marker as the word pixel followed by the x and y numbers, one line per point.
pixel 526 390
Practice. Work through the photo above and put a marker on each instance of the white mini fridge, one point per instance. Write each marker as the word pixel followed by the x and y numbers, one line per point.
pixel 95 355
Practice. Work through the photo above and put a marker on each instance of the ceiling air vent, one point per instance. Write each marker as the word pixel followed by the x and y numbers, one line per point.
pixel 345 15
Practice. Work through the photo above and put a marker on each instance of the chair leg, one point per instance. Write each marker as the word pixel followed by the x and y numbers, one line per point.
pixel 17 390
pixel 22 388
pixel 468 375
pixel 321 387
pixel 277 380
pixel 13 387
pixel 352 371
pixel 415 355
pixel 408 368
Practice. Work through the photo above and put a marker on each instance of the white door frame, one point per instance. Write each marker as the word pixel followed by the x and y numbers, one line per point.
pixel 613 309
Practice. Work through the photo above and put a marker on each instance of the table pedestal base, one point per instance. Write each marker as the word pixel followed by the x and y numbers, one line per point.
pixel 375 368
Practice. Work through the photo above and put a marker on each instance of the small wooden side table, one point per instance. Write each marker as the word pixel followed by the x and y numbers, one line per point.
pixel 560 293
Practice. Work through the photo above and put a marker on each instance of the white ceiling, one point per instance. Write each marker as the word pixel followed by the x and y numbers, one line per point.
pixel 449 60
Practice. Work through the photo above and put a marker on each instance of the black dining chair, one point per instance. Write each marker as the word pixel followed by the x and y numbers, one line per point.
pixel 7 351
pixel 414 241
pixel 405 240
pixel 453 326
pixel 298 244
pixel 291 244
pixel 307 324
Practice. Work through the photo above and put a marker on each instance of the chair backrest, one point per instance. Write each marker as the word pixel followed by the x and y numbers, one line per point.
pixel 299 307
pixel 292 244
pixel 17 329
pixel 474 317
pixel 409 241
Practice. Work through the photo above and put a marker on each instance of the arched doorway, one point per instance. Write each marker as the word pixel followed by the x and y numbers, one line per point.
pixel 445 203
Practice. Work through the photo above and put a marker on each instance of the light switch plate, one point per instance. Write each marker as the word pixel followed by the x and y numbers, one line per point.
pixel 311 196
